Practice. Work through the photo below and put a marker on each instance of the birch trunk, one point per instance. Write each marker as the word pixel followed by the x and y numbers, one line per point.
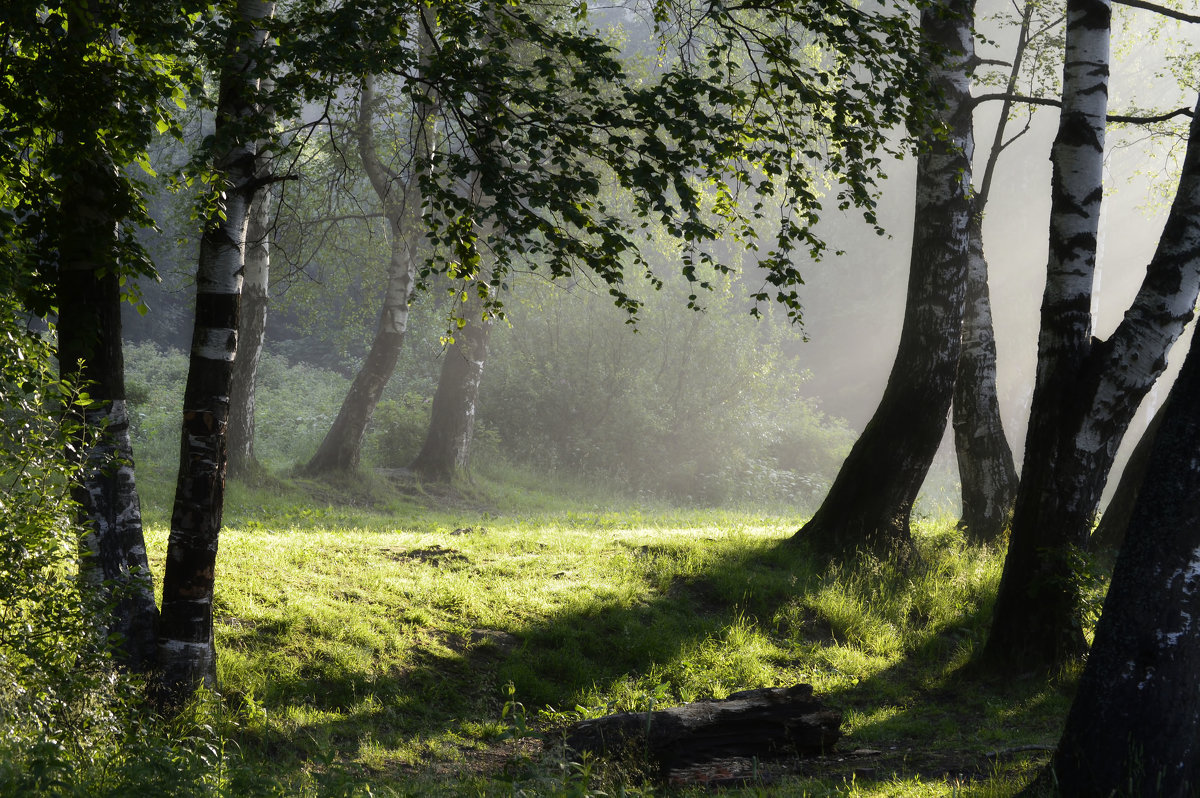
pixel 252 328
pixel 870 503
pixel 985 461
pixel 90 350
pixel 986 469
pixel 187 656
pixel 447 448
pixel 1134 726
pixel 88 298
pixel 342 446
pixel 1086 395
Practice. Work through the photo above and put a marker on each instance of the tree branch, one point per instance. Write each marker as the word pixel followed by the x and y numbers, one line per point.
pixel 1056 103
pixel 1157 9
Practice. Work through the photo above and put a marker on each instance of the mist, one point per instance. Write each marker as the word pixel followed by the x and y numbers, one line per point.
pixel 827 372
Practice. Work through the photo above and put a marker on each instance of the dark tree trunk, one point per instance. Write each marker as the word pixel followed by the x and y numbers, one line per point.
pixel 985 460
pixel 1110 532
pixel 870 503
pixel 88 298
pixel 447 447
pixel 342 446
pixel 90 350
pixel 252 328
pixel 1134 726
pixel 1086 394
pixel 187 656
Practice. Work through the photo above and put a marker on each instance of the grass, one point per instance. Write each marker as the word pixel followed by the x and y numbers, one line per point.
pixel 370 645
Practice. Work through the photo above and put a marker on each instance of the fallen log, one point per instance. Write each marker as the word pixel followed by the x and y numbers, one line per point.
pixel 752 724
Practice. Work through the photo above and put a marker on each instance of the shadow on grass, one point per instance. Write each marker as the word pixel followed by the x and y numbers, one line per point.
pixel 920 714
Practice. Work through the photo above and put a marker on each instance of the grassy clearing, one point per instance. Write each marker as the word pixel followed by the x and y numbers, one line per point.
pixel 384 648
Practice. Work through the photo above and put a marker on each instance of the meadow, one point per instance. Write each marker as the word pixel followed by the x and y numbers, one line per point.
pixel 380 637
pixel 376 638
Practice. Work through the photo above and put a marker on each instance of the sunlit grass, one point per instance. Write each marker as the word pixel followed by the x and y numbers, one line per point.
pixel 375 645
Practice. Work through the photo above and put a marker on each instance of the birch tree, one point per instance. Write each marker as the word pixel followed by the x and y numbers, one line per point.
pixel 82 88
pixel 870 503
pixel 186 654
pixel 1086 390
pixel 252 327
pixel 400 196
pixel 447 447
pixel 1134 725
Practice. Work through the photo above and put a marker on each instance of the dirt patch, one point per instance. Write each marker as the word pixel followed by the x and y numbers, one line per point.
pixel 435 555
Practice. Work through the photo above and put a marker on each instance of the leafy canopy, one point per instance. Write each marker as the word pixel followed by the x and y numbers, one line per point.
pixel 739 106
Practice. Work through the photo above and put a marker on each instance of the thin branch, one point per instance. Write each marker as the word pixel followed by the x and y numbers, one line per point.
pixel 1057 103
pixel 1157 9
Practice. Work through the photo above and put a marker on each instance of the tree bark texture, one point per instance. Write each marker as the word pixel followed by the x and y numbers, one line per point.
pixel 752 723
pixel 252 328
pixel 987 472
pixel 985 460
pixel 1086 395
pixel 1134 726
pixel 88 297
pixel 447 447
pixel 342 446
pixel 90 350
pixel 187 656
pixel 870 503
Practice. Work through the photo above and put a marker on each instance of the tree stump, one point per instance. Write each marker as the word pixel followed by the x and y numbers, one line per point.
pixel 750 725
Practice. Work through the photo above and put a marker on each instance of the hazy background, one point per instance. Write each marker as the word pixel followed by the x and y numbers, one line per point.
pixel 325 303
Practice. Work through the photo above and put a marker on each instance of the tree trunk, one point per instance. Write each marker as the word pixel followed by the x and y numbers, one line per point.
pixel 187 656
pixel 252 328
pixel 447 447
pixel 1110 532
pixel 342 446
pixel 88 298
pixel 985 460
pixel 1134 726
pixel 752 723
pixel 870 503
pixel 1087 391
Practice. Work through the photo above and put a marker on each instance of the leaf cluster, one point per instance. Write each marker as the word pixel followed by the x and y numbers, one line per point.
pixel 744 106
pixel 84 86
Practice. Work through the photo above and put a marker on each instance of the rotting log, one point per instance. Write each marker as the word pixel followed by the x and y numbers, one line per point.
pixel 754 724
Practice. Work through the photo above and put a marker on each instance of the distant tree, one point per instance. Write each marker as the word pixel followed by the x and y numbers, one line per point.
pixel 870 503
pixel 1087 390
pixel 1110 532
pixel 1134 726
pixel 447 448
pixel 400 195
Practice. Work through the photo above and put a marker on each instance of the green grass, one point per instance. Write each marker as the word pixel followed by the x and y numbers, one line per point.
pixel 370 645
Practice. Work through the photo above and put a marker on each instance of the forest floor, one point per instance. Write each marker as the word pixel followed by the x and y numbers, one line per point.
pixel 379 637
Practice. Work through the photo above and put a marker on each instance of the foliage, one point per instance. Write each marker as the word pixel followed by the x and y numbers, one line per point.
pixel 705 408
pixel 295 403
pixel 84 84
pixel 72 724
pixel 740 111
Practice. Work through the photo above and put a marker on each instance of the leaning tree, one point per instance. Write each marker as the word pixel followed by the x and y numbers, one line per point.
pixel 870 503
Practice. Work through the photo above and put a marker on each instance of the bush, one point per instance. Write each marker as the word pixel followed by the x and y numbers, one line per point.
pixel 701 407
pixel 72 724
